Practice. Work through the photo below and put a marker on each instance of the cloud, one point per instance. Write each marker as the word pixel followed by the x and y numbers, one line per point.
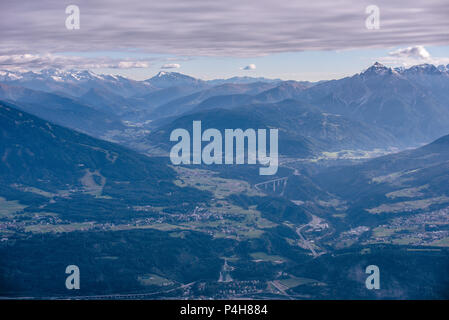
pixel 132 64
pixel 249 67
pixel 171 66
pixel 38 61
pixel 411 56
pixel 416 52
pixel 218 28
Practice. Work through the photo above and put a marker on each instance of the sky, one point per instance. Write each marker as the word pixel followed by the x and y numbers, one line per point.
pixel 287 39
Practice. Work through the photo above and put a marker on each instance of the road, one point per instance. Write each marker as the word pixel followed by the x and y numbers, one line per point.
pixel 281 288
pixel 307 243
pixel 107 297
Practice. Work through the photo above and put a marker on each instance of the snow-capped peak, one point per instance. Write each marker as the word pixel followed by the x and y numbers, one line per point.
pixel 172 75
pixel 55 74
pixel 165 79
pixel 6 75
pixel 443 68
pixel 423 69
pixel 378 69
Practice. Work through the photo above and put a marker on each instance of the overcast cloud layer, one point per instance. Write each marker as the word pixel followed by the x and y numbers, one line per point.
pixel 40 61
pixel 228 27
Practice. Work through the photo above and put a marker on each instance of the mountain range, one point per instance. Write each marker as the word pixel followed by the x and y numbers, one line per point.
pixel 411 103
pixel 62 110
pixel 73 82
pixel 406 104
pixel 403 183
pixel 304 130
pixel 136 224
pixel 43 158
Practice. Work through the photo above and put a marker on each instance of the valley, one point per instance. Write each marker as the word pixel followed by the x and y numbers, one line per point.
pixel 103 195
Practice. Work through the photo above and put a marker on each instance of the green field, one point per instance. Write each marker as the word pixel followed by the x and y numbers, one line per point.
pixel 295 281
pixel 9 208
pixel 208 181
pixel 154 280
pixel 262 256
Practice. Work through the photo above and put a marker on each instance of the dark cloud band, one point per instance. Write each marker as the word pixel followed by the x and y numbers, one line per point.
pixel 225 28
